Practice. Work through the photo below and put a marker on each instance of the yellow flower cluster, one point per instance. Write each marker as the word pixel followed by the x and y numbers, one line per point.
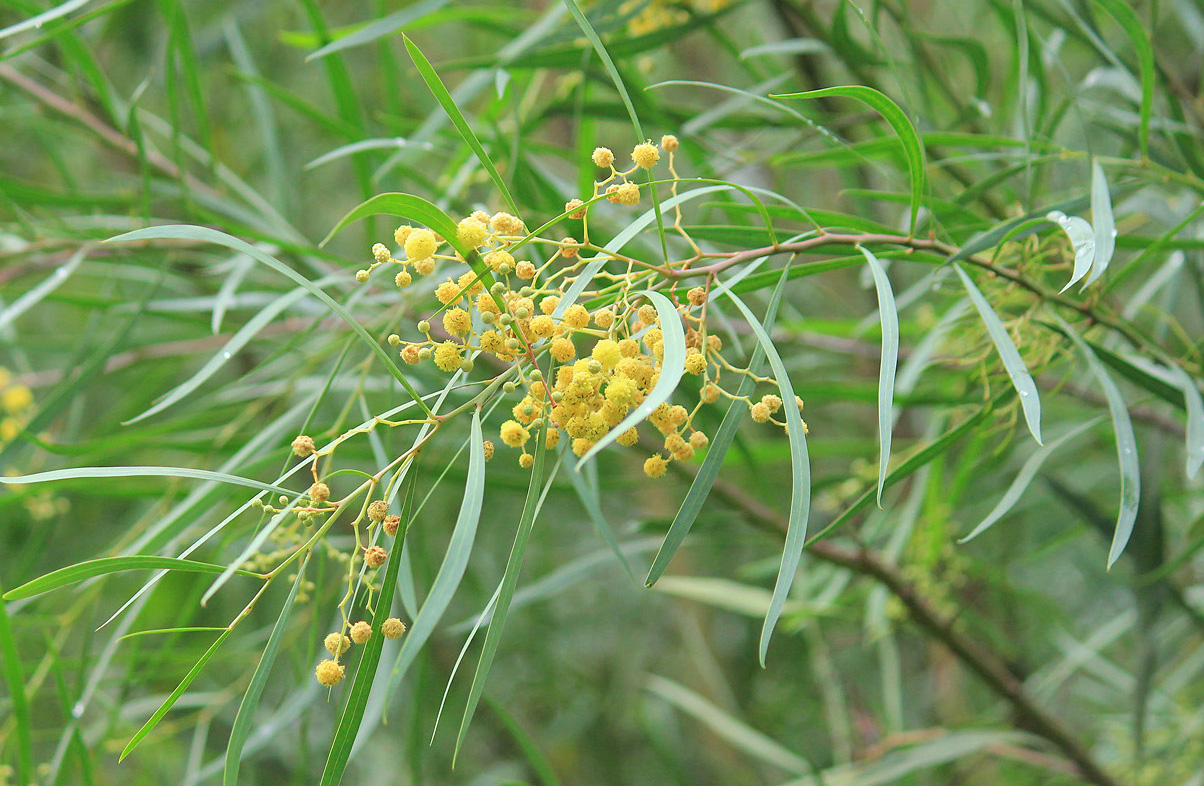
pixel 330 672
pixel 16 401
pixel 602 361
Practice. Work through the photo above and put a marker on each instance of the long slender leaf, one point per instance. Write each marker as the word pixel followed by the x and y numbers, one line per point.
pixel 1104 226
pixel 1030 400
pixel 1195 421
pixel 897 119
pixel 379 28
pixel 164 708
pixel 36 295
pixel 73 574
pixel 19 701
pixel 439 91
pixel 701 486
pixel 125 472
pixel 889 317
pixel 1124 14
pixel 800 472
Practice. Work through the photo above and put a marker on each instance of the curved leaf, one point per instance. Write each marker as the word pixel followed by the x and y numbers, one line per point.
pixel 889 316
pixel 1104 225
pixel 73 574
pixel 125 472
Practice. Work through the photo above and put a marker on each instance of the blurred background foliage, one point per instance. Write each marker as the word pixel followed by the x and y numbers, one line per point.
pixel 271 120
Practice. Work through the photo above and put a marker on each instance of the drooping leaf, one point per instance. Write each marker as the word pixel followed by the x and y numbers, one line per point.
pixel 1104 226
pixel 73 574
pixel 889 317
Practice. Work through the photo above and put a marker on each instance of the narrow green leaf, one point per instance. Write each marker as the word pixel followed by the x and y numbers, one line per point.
pixel 514 566
pixel 126 472
pixel 1195 420
pixel 150 725
pixel 73 574
pixel 36 22
pixel 1082 240
pixel 898 121
pixel 607 63
pixel 1023 478
pixel 800 466
pixel 439 91
pixel 1030 400
pixel 162 631
pixel 39 292
pixel 245 718
pixel 673 365
pixel 889 316
pixel 1124 14
pixel 1126 449
pixel 379 28
pixel 19 701
pixel 789 46
pixel 1104 226
pixel 701 486
pixel 206 235
pixel 451 571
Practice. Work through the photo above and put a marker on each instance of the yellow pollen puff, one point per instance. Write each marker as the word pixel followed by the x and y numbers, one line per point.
pixel 471 232
pixel 513 434
pixel 563 350
pixel 448 292
pixel 319 493
pixel 424 267
pixel 487 305
pixel 402 233
pixel 773 402
pixel 612 193
pixel 447 356
pixel 629 348
pixel 381 253
pixel 647 314
pixel 378 510
pixel 581 446
pixel 480 215
pixel 361 631
pixel 760 412
pixel 627 194
pixel 710 393
pixel 525 270
pixel 421 244
pixel 391 524
pixel 695 364
pixel 487 446
pixel 472 285
pixel 330 673
pixel 628 437
pixel 684 453
pixel 393 628
pixel 698 440
pixel 714 343
pixel 304 446
pixel 576 317
pixel 337 644
pixel 552 439
pixel 575 208
pixel 569 247
pixel 495 260
pixel 604 318
pixel 678 415
pixel 655 466
pixel 645 155
pixel 697 296
pixel 526 460
pixel 603 157
pixel 674 442
pixel 457 322
pixel 403 279
pixel 492 341
pixel 669 143
pixel 621 390
pixel 506 224
pixel 607 353
pixel 549 304
pixel 542 326
pixel 375 556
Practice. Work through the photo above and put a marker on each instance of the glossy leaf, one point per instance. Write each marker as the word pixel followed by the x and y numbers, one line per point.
pixel 889 317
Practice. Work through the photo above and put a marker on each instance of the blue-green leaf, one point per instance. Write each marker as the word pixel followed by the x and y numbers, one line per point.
pixel 73 574
pixel 890 360
pixel 1030 400
pixel 1104 233
pixel 1082 240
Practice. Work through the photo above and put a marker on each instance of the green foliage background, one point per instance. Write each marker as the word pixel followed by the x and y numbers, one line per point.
pixel 901 656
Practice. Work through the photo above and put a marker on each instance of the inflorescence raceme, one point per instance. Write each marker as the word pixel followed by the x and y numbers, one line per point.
pixel 575 366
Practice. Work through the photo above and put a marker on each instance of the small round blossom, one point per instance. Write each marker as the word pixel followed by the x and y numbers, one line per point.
pixel 375 556
pixel 603 157
pixel 378 510
pixel 304 446
pixel 628 437
pixel 696 364
pixel 361 631
pixel 773 402
pixel 645 155
pixel 513 434
pixel 575 208
pixel 655 466
pixel 421 244
pixel 760 412
pixel 710 393
pixel 526 461
pixel 604 318
pixel 457 322
pixel 411 354
pixel 471 232
pixel 542 326
pixel 380 253
pixel 402 233
pixel 563 350
pixel 697 296
pixel 447 356
pixel 361 276
pixel 337 644
pixel 330 673
pixel 698 440
pixel 669 143
pixel 569 247
pixel 424 267
pixel 319 493
pixel 488 448
pixel 525 270
pixel 576 316
pixel 393 628
pixel 506 224
pixel 391 525
pixel 403 279
pixel 448 292
pixel 627 194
